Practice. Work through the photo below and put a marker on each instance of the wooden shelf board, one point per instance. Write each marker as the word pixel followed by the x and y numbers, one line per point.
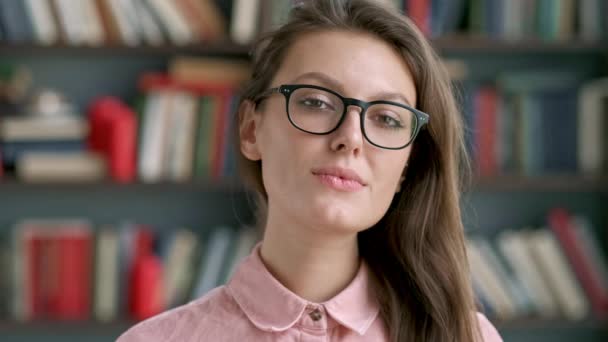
pixel 562 183
pixel 557 182
pixel 464 43
pixel 448 44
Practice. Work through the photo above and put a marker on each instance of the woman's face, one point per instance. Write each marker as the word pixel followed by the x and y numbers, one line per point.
pixel 308 178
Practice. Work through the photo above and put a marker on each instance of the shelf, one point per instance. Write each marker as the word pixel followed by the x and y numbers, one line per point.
pixel 544 183
pixel 224 49
pixel 89 331
pixel 52 327
pixel 205 186
pixel 448 44
pixel 524 330
pixel 538 330
pixel 463 43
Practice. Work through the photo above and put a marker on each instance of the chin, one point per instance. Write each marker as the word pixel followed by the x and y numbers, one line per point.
pixel 337 218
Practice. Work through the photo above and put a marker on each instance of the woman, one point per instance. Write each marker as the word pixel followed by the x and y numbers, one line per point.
pixel 350 134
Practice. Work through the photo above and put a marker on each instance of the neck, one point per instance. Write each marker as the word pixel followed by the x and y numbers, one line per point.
pixel 308 261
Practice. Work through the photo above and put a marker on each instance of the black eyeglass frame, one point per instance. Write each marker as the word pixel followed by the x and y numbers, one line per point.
pixel 422 118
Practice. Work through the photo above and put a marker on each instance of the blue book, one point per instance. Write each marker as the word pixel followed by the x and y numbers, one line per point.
pixel 16 23
pixel 229 167
pixel 11 151
pixel 446 16
pixel 559 130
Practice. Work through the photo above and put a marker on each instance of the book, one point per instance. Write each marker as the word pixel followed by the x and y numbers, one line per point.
pixel 244 21
pixel 493 287
pixel 174 21
pixel 43 128
pixel 558 274
pixel 590 277
pixel 180 262
pixel 52 279
pixel 214 260
pixel 40 15
pixel 513 246
pixel 208 71
pixel 106 290
pixel 114 136
pixel 592 127
pixel 45 167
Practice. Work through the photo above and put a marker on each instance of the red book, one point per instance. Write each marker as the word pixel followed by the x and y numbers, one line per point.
pixel 147 284
pixel 34 241
pixel 153 81
pixel 562 225
pixel 486 101
pixel 114 135
pixel 145 278
pixel 420 12
pixel 74 302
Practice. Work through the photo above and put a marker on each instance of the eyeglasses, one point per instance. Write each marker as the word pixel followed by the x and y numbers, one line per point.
pixel 320 111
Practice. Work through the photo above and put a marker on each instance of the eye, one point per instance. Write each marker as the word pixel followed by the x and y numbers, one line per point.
pixel 315 103
pixel 387 120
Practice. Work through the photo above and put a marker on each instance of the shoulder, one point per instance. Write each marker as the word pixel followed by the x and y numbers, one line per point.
pixel 487 330
pixel 185 323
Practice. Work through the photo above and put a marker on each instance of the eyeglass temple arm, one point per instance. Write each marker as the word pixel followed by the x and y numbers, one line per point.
pixel 265 94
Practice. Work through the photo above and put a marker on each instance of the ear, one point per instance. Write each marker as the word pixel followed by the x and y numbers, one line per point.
pixel 398 189
pixel 248 124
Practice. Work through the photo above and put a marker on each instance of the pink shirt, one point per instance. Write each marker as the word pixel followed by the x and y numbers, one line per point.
pixel 254 306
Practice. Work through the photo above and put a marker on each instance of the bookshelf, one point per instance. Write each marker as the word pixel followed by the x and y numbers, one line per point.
pixel 490 205
pixel 559 331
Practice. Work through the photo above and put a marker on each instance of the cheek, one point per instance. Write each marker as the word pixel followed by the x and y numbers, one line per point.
pixel 389 170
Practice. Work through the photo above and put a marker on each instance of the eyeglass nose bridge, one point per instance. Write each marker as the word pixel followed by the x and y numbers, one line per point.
pixel 348 102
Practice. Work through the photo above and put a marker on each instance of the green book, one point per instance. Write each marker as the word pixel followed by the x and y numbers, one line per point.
pixel 204 136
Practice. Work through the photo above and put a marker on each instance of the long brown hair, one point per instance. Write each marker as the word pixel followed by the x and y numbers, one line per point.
pixel 416 251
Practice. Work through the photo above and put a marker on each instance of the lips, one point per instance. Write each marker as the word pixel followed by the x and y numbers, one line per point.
pixel 339 179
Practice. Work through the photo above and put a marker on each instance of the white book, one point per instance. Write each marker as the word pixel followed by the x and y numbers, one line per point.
pixel 514 247
pixel 126 27
pixel 179 262
pixel 558 274
pixel 213 261
pixel 515 291
pixel 72 167
pixel 36 128
pixel 150 29
pixel 91 23
pixel 153 136
pixel 490 282
pixel 182 136
pixel 106 275
pixel 41 18
pixel 173 20
pixel 69 20
pixel 592 125
pixel 244 23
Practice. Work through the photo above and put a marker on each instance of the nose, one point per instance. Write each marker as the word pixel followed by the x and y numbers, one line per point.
pixel 348 137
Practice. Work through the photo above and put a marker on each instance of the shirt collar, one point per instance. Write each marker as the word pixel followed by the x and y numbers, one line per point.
pixel 270 306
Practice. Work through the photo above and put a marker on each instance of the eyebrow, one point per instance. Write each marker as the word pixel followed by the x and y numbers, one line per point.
pixel 332 83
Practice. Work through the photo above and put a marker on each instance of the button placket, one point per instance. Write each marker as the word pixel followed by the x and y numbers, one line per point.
pixel 315 315
pixel 315 318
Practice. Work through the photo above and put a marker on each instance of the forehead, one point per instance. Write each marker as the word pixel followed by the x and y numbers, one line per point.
pixel 362 64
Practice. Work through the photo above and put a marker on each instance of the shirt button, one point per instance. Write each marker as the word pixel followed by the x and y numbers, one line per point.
pixel 315 315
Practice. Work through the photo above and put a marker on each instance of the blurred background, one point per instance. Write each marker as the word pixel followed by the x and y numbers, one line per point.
pixel 118 190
